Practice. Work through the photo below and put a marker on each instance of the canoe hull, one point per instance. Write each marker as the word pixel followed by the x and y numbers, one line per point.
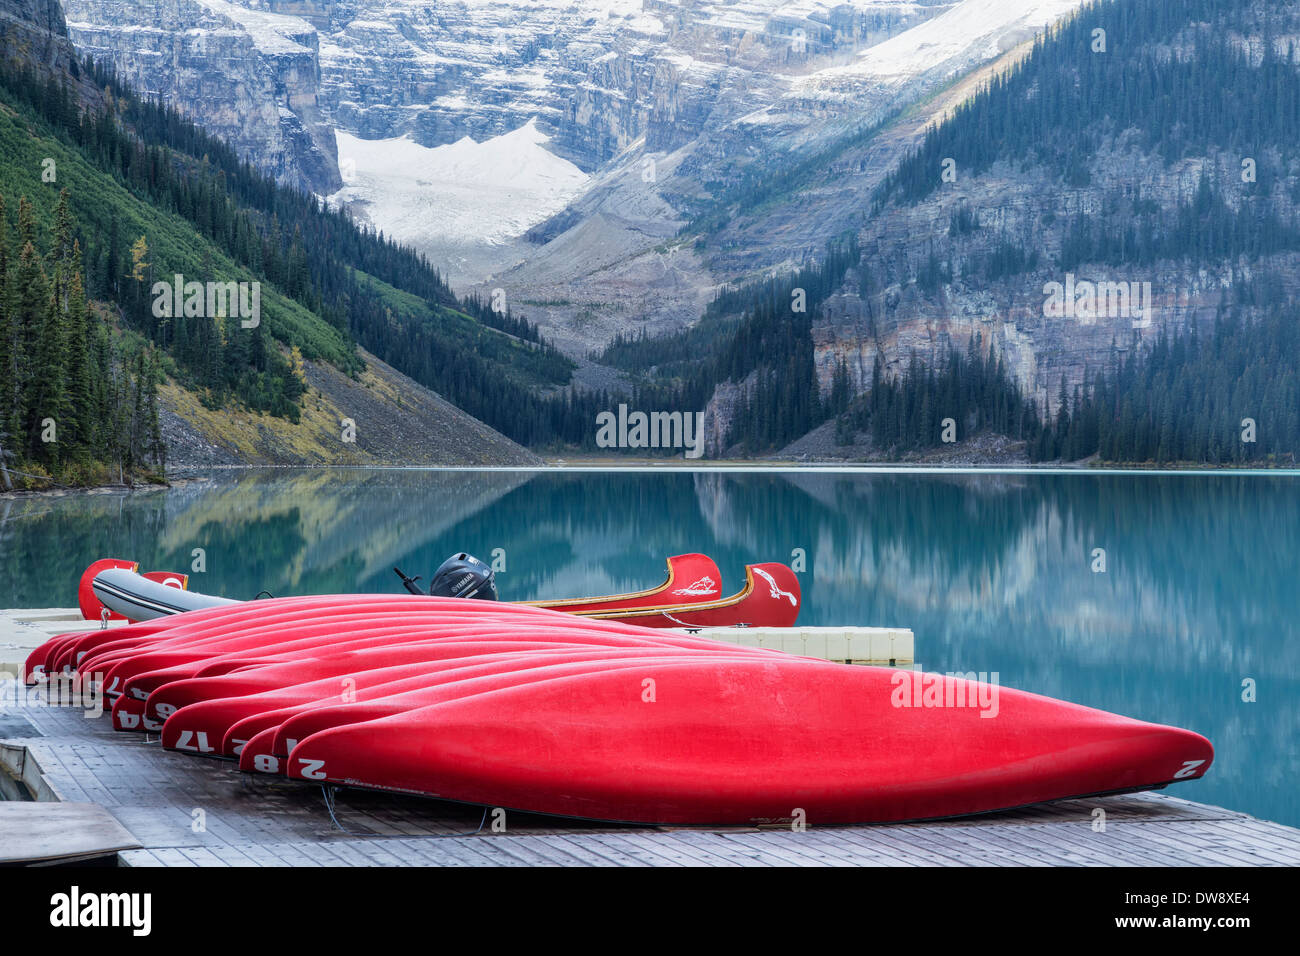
pixel 749 742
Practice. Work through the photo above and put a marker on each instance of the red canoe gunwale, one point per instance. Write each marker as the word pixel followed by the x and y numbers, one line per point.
pixel 686 570
pixel 774 606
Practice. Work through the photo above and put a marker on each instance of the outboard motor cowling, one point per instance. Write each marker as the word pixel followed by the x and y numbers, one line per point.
pixel 464 576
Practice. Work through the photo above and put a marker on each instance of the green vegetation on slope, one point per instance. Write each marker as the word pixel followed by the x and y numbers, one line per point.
pixel 1176 81
pixel 74 400
pixel 153 197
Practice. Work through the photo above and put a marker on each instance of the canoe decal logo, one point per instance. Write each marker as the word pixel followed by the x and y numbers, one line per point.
pixel 705 585
pixel 1188 769
pixel 776 591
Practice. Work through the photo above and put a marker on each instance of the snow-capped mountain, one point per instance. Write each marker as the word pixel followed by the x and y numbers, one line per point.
pixel 650 105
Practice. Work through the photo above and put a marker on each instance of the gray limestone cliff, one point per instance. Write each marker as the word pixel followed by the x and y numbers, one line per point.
pixel 250 77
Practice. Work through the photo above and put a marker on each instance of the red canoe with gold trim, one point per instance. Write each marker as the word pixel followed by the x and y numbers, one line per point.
pixel 692 579
pixel 770 598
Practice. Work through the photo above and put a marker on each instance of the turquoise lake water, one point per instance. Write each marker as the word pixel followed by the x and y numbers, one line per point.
pixel 1200 595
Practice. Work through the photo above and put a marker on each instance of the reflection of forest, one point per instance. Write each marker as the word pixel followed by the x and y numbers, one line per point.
pixel 283 530
pixel 991 572
pixel 1192 559
pixel 578 535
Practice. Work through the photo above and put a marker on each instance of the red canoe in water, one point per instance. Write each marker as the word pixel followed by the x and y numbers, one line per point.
pixel 770 598
pixel 692 579
pixel 750 741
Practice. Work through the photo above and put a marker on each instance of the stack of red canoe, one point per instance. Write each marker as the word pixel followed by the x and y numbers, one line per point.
pixel 533 709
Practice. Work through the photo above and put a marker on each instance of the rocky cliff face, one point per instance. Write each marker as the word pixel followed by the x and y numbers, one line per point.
pixel 734 95
pixel 273 75
pixel 597 75
pixel 667 103
pixel 251 77
pixel 883 311
pixel 35 30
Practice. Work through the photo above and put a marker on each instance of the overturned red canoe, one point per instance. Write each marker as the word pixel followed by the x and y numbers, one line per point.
pixel 748 741
pixel 155 697
pixel 288 619
pixel 314 637
pixel 267 751
pixel 64 650
pixel 215 718
pixel 242 715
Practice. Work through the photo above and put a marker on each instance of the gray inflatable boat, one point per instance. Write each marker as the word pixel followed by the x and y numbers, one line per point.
pixel 137 598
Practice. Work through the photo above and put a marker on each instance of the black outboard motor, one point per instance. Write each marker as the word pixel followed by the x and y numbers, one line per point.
pixel 464 576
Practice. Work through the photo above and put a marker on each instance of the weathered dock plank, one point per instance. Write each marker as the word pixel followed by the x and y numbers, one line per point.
pixel 47 832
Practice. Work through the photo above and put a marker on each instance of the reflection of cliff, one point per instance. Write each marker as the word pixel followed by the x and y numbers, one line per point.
pixel 958 558
pixel 567 535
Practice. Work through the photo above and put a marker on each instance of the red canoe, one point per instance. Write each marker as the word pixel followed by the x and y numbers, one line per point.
pixel 217 717
pixel 156 695
pixel 318 632
pixel 86 651
pixel 770 598
pixel 752 741
pixel 68 649
pixel 267 751
pixel 692 579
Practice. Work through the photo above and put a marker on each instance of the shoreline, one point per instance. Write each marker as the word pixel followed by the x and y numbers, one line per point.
pixel 199 473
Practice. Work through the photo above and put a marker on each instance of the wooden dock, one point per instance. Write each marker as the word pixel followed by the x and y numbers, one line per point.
pixel 101 793
pixel 22 631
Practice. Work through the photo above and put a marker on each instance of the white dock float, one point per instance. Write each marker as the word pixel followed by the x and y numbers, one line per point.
pixel 885 646
pixel 42 832
pixel 22 631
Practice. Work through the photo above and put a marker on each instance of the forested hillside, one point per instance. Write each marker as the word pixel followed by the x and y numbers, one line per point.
pixel 116 195
pixel 1140 139
pixel 757 334
pixel 1210 82
pixel 74 400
